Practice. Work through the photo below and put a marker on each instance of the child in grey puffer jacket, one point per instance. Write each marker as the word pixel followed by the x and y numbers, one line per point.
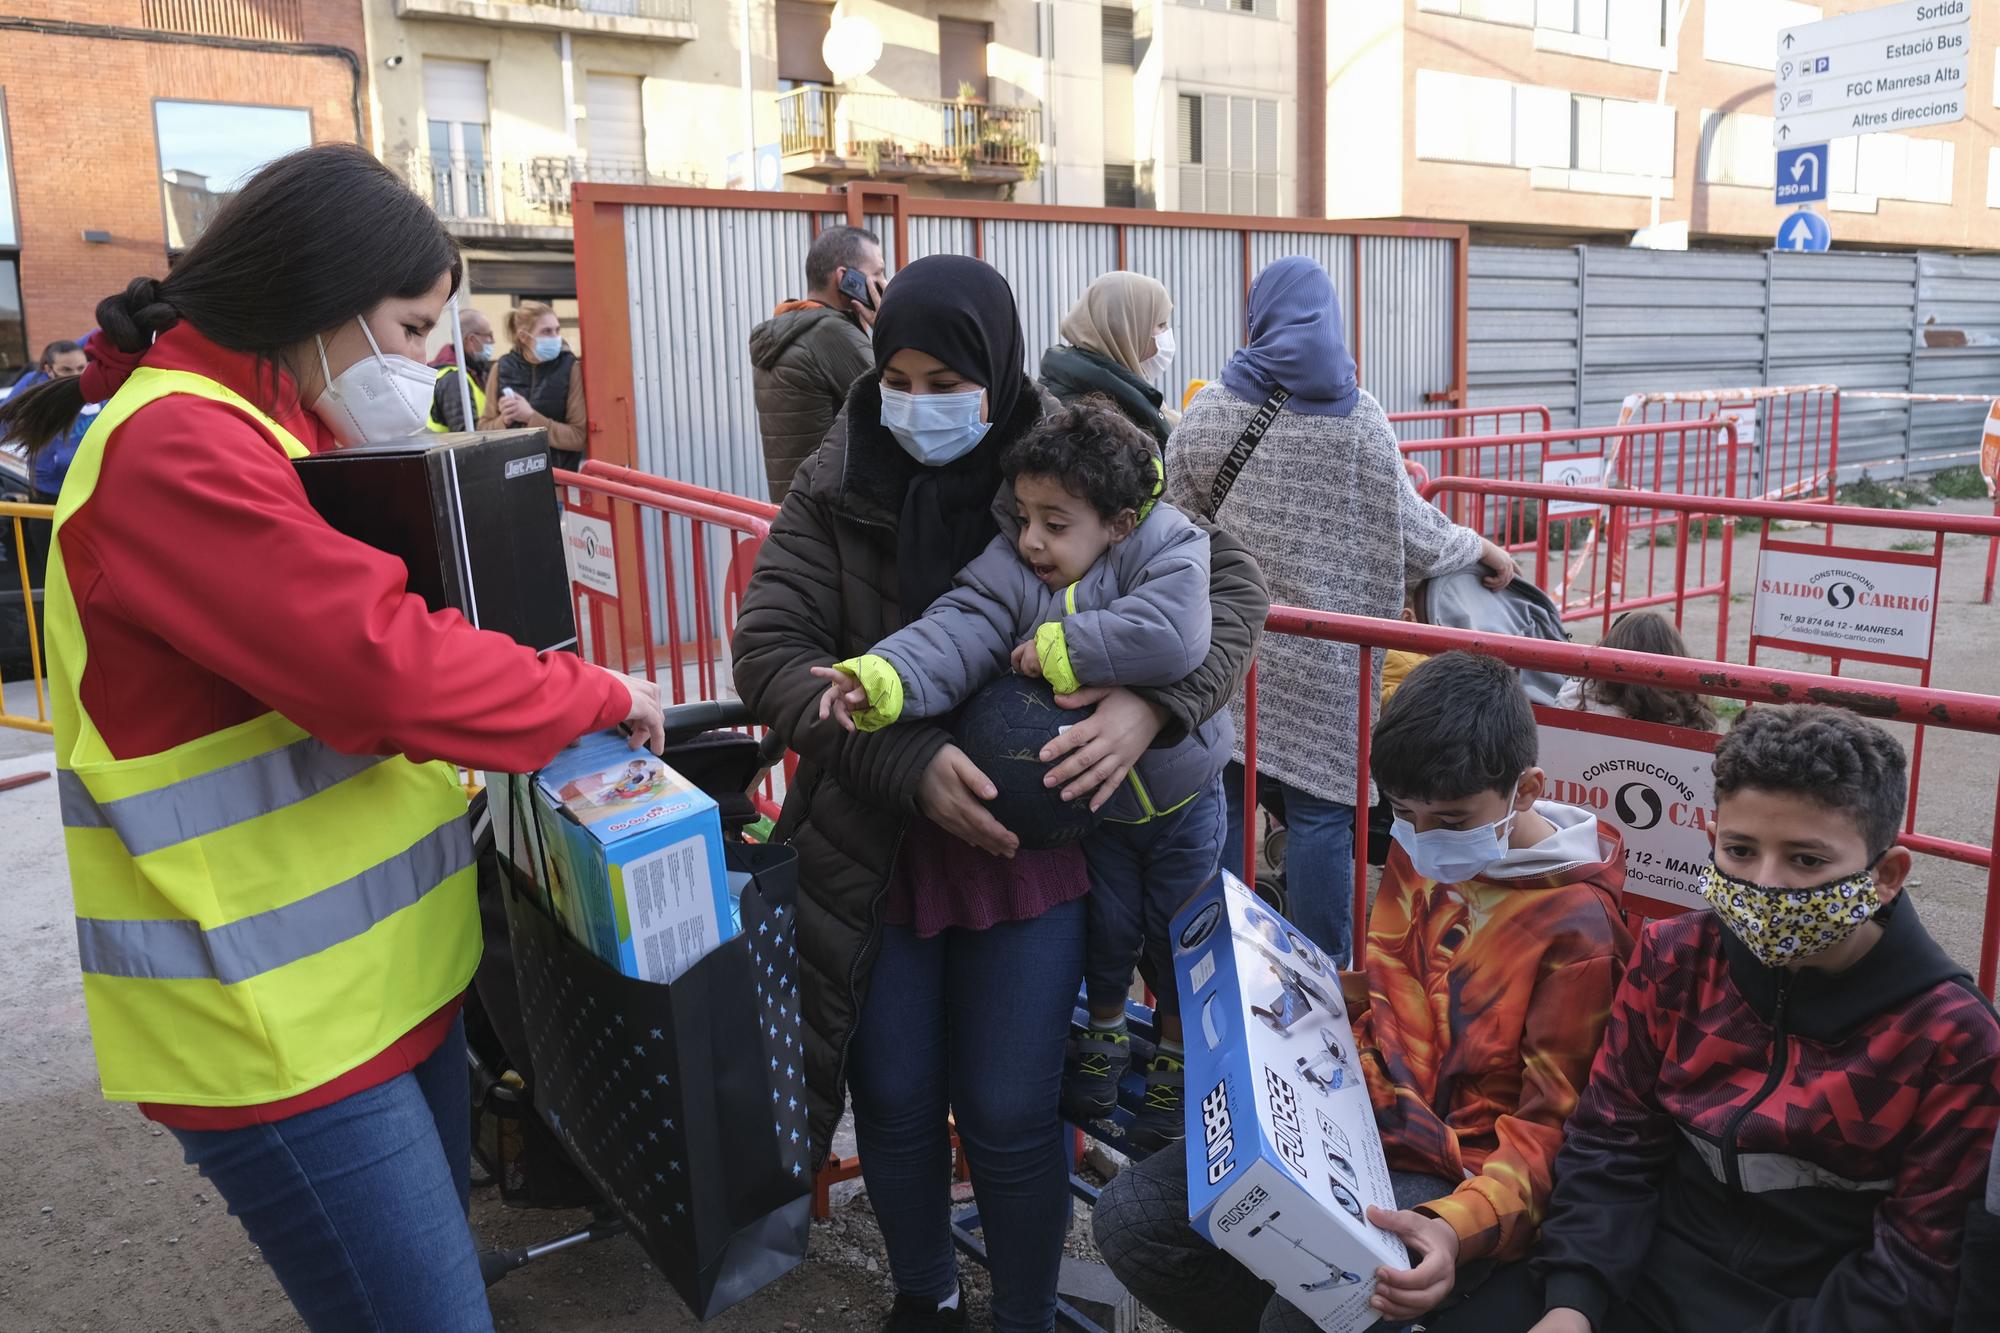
pixel 1092 581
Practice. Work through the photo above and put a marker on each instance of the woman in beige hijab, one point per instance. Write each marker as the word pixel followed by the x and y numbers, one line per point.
pixel 1115 342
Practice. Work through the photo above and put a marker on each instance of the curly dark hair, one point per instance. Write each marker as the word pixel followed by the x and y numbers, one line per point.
pixel 1459 724
pixel 1094 451
pixel 1840 762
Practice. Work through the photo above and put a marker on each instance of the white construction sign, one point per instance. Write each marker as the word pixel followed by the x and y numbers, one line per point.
pixel 593 558
pixel 1881 70
pixel 1840 601
pixel 1572 470
pixel 1660 796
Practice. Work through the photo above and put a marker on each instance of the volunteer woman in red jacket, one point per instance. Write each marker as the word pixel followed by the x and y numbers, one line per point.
pixel 273 884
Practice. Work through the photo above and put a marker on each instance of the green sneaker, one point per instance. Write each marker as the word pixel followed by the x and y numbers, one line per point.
pixel 1097 1062
pixel 1160 1122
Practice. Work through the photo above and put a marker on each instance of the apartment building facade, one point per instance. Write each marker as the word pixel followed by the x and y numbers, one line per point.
pixel 1181 105
pixel 1550 119
pixel 124 125
pixel 494 108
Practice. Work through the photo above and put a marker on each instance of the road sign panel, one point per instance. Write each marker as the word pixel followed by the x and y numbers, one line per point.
pixel 1883 21
pixel 1875 118
pixel 1804 232
pixel 1898 67
pixel 1802 174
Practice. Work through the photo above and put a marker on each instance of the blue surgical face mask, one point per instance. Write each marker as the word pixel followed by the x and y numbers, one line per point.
pixel 934 428
pixel 1453 855
pixel 548 349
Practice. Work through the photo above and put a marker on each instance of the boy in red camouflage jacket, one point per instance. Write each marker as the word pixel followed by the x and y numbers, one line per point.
pixel 1792 1108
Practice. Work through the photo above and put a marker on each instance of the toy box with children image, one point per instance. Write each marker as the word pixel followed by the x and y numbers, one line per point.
pixel 1284 1159
pixel 630 853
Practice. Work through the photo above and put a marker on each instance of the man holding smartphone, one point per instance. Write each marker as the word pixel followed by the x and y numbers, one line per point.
pixel 809 353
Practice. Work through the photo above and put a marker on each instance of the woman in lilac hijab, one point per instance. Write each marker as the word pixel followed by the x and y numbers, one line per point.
pixel 1324 504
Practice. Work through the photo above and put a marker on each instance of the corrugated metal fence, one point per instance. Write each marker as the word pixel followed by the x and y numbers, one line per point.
pixel 702 275
pixel 673 281
pixel 1579 328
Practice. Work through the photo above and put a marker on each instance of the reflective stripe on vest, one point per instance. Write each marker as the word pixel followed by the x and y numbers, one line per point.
pixel 263 943
pixel 257 913
pixel 154 820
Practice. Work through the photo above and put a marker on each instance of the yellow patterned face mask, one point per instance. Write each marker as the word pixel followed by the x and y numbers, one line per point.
pixel 1784 925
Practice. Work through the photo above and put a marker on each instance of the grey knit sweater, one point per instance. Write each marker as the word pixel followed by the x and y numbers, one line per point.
pixel 1326 507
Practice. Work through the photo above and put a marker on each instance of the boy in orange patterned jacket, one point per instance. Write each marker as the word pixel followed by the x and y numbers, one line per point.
pixel 1493 950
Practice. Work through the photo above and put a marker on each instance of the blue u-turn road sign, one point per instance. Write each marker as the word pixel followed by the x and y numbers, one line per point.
pixel 1802 174
pixel 1804 231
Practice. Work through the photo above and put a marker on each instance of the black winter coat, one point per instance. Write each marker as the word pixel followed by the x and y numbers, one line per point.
pixel 825 589
pixel 803 360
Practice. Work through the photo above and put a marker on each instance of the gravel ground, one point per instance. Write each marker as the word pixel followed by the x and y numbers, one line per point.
pixel 105 1228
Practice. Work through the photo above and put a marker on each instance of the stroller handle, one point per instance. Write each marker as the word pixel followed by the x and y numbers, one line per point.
pixel 691 719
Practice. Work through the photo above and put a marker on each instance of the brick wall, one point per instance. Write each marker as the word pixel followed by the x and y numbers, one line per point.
pixel 80 120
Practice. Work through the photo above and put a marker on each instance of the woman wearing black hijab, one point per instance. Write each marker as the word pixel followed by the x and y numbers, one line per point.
pixel 938 962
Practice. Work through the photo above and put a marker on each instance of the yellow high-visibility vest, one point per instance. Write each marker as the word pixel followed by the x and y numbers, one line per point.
pixel 478 401
pixel 256 913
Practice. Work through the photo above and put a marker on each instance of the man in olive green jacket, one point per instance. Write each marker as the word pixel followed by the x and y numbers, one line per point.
pixel 809 353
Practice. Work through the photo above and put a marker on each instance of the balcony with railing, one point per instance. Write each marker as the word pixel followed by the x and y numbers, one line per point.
pixel 830 135
pixel 644 20
pixel 521 198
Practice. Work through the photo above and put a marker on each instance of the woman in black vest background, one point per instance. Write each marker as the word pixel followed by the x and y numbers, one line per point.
pixel 539 383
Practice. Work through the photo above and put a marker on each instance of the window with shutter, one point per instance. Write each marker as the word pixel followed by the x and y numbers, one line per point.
pixel 1189 124
pixel 1191 190
pixel 1214 130
pixel 802 28
pixel 962 59
pixel 455 90
pixel 614 124
pixel 1228 149
pixel 1120 185
pixel 455 116
pixel 1115 25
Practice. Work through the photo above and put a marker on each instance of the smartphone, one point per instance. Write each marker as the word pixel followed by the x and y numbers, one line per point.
pixel 854 284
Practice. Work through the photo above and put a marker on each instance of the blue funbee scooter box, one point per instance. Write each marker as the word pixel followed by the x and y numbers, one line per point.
pixel 1283 1156
pixel 630 853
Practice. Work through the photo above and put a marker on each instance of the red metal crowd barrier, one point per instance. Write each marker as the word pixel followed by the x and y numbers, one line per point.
pixel 1689 458
pixel 1768 626
pixel 1517 418
pixel 1902 703
pixel 1679 513
pixel 1792 431
pixel 658 569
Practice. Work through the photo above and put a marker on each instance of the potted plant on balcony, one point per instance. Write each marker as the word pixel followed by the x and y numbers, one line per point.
pixel 997 138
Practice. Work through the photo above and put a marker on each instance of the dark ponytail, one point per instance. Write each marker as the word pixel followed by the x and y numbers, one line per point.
pixel 314 239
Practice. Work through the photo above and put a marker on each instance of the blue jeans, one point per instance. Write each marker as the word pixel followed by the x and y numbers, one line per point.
pixel 359 1207
pixel 970 1023
pixel 1319 860
pixel 1140 874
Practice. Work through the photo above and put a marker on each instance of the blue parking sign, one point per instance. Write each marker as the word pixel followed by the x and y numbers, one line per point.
pixel 1802 174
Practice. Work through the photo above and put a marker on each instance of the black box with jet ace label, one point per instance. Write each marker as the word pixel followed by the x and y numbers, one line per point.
pixel 473 517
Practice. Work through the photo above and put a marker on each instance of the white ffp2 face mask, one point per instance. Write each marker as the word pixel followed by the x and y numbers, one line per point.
pixel 381 397
pixel 1156 365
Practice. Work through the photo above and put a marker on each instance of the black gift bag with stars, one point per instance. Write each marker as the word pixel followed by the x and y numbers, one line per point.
pixel 684 1103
